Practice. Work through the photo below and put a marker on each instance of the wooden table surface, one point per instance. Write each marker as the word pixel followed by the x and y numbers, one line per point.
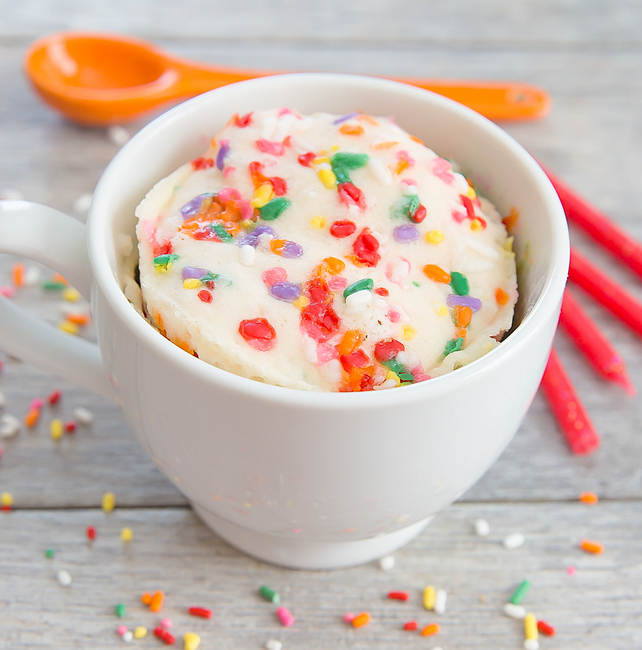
pixel 588 55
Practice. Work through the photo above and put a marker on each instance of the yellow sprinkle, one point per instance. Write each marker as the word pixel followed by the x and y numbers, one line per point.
pixel 508 244
pixel 56 429
pixel 472 195
pixel 300 302
pixel 441 310
pixel 69 327
pixel 408 332
pixel 435 237
pixel 393 375
pixel 476 224
pixel 191 283
pixel 109 501
pixel 429 597
pixel 191 641
pixel 530 627
pixel 320 159
pixel 318 222
pixel 262 195
pixel 140 632
pixel 334 147
pixel 126 534
pixel 70 294
pixel 327 177
pixel 6 499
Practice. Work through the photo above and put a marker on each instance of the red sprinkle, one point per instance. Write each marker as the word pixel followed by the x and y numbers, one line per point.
pixel 398 595
pixel 54 398
pixel 162 634
pixel 6 508
pixel 419 215
pixel 70 426
pixel 341 229
pixel 91 533
pixel 200 611
pixel 365 248
pixel 202 163
pixel 243 121
pixel 356 359
pixel 388 349
pixel 351 195
pixel 205 295
pixel 268 146
pixel 545 628
pixel 258 333
pixel 306 159
pixel 382 291
pixel 410 625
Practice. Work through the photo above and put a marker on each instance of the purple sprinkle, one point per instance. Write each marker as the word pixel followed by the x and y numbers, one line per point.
pixel 343 118
pixel 291 249
pixel 192 208
pixel 193 272
pixel 464 301
pixel 252 238
pixel 222 152
pixel 285 291
pixel 405 234
pixel 262 229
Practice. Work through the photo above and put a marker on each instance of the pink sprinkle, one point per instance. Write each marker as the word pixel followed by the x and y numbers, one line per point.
pixel 267 146
pixel 348 617
pixel 326 352
pixel 570 569
pixel 285 617
pixel 228 170
pixel 398 270
pixel 166 623
pixel 7 292
pixel 393 316
pixel 287 111
pixel 36 403
pixel 274 275
pixel 337 283
pixel 406 157
pixel 441 169
pixel 0 452
pixel 121 629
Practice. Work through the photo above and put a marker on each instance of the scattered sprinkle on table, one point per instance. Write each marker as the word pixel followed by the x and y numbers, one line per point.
pixel 120 610
pixel 118 135
pixel 429 597
pixel 140 632
pixel 6 500
pixel 513 541
pixel 165 636
pixel 91 533
pixel 410 625
pixel 166 623
pixel 361 619
pixel 191 641
pixel 108 502
pixel 387 562
pixel 56 429
pixel 520 592
pixel 9 425
pixel 398 595
pixel 348 617
pixel 589 498
pixel 54 397
pixel 440 601
pixel 128 637
pixel 63 577
pixel 156 601
pixel 203 612
pixel 589 546
pixel 430 630
pixel 126 534
pixel 545 628
pixel 49 553
pixel 482 528
pixel 83 415
pixel 270 595
pixel 273 644
pixel 515 611
pixel 285 617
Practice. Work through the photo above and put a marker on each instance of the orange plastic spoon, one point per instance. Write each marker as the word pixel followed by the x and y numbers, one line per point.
pixel 101 79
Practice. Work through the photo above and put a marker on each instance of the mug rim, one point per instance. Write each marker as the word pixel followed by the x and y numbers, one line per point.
pixel 546 304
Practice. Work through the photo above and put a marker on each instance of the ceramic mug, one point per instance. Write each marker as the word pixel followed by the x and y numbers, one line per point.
pixel 301 479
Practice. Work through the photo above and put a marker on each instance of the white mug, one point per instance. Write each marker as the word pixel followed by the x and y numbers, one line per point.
pixel 301 479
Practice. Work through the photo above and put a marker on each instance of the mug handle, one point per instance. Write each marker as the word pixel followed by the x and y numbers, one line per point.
pixel 57 240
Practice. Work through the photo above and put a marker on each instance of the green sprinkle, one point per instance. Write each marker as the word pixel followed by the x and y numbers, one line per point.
pixel 459 283
pixel 208 277
pixel 406 207
pixel 453 346
pixel 270 595
pixel 406 376
pixel 50 285
pixel 273 209
pixel 164 262
pixel 520 592
pixel 49 553
pixel 221 233
pixel 395 366
pixel 359 285
pixel 417 284
pixel 120 610
pixel 343 162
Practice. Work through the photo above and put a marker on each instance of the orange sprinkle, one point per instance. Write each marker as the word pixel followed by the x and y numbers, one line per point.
pixel 276 246
pixel 333 265
pixel 464 316
pixel 361 619
pixel 32 417
pixel 431 629
pixel 146 598
pixel 56 277
pixel 18 274
pixel 79 318
pixel 383 145
pixel 350 342
pixel 589 546
pixel 156 602
pixel 367 118
pixel 511 219
pixel 501 296
pixel 401 166
pixel 589 497
pixel 351 129
pixel 460 333
pixel 416 139
pixel 436 273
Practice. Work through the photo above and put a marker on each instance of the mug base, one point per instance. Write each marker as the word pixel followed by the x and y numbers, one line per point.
pixel 295 554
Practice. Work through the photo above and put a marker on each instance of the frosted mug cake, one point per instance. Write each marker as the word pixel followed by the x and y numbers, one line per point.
pixel 324 252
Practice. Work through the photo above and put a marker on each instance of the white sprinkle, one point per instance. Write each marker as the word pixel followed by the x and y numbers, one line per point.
pixel 440 601
pixel 379 171
pixel 387 562
pixel 323 165
pixel 310 349
pixel 515 611
pixel 128 637
pixel 9 425
pixel 531 644
pixel 379 302
pixel 63 577
pixel 482 527
pixel 408 358
pixel 11 195
pixel 389 383
pixel 73 308
pixel 333 370
pixel 83 415
pixel 32 276
pixel 119 135
pixel 513 541
pixel 273 644
pixel 83 203
pixel 264 241
pixel 247 255
pixel 358 301
pixel 409 189
pixel 3 399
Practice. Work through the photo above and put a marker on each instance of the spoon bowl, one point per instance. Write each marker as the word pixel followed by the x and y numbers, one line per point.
pixel 102 79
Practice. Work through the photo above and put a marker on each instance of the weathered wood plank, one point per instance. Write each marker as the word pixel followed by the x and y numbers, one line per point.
pixel 597 608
